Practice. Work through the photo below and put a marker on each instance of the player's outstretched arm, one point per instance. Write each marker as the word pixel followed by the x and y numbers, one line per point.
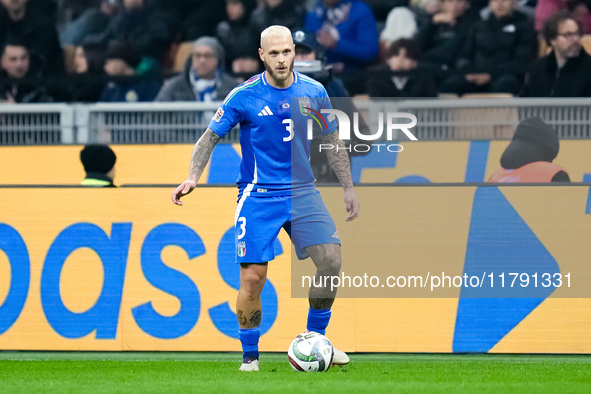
pixel 201 154
pixel 339 161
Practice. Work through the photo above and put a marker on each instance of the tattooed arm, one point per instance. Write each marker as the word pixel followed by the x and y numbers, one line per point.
pixel 339 161
pixel 199 158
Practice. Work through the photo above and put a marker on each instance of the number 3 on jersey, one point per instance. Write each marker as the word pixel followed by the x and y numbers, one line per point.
pixel 242 226
pixel 289 128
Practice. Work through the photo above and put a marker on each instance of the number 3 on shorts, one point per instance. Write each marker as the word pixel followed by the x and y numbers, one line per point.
pixel 242 225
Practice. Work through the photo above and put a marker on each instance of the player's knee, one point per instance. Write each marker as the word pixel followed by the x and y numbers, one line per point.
pixel 253 282
pixel 334 265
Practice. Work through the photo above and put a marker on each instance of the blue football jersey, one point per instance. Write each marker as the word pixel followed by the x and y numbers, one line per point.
pixel 273 133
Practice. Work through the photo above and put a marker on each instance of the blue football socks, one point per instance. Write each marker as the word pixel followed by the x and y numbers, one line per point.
pixel 318 320
pixel 249 337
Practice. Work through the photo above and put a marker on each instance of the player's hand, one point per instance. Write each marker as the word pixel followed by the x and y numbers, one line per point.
pixel 184 188
pixel 352 204
pixel 327 38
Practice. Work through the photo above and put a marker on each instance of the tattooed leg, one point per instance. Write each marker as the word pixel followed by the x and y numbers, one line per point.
pixel 327 258
pixel 248 302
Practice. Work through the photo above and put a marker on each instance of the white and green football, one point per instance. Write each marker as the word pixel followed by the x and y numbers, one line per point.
pixel 310 352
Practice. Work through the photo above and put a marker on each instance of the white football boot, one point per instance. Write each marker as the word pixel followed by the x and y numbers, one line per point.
pixel 251 364
pixel 340 358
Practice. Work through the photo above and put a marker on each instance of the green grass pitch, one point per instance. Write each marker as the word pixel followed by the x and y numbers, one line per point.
pixel 105 372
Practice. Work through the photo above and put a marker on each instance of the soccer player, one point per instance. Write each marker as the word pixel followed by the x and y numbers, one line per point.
pixel 273 194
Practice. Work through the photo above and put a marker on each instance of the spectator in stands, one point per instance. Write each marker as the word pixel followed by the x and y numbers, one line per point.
pixel 89 58
pixel 441 36
pixel 425 9
pixel 126 84
pixel 400 23
pixel 198 17
pixel 25 22
pixel 245 65
pixel 495 54
pixel 310 59
pixel 288 13
pixel 19 80
pixel 143 24
pixel 89 78
pixel 203 77
pixel 75 7
pixel 401 77
pixel 98 161
pixel 580 9
pixel 566 71
pixel 529 156
pixel 91 22
pixel 381 8
pixel 236 35
pixel 49 8
pixel 405 21
pixel 347 30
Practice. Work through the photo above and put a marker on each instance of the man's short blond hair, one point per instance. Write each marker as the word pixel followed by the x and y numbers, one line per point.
pixel 275 31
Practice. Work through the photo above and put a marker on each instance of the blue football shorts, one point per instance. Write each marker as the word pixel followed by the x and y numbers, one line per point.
pixel 260 218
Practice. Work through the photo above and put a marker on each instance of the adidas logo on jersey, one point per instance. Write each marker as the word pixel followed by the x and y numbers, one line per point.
pixel 266 111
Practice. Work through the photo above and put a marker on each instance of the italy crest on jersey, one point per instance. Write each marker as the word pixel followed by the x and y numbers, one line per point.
pixel 241 249
pixel 304 103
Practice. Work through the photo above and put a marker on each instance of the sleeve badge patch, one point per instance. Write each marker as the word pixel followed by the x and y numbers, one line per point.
pixel 218 115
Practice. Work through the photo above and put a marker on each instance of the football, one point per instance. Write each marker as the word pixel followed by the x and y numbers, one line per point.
pixel 310 352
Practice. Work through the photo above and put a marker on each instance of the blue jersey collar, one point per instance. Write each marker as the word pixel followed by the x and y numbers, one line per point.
pixel 264 79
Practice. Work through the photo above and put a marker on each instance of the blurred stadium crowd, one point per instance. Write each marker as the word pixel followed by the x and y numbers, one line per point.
pixel 198 50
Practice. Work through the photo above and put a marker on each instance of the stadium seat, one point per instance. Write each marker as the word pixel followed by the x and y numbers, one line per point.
pixel 184 50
